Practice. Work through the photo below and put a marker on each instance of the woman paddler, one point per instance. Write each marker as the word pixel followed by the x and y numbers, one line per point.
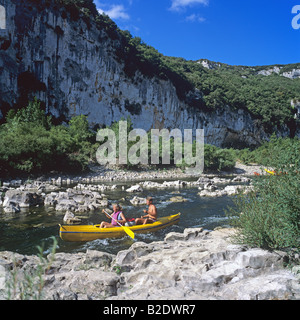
pixel 117 216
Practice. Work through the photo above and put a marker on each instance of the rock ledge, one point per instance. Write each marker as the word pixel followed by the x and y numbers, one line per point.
pixel 196 264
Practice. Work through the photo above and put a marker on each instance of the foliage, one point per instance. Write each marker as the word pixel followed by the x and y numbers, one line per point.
pixel 31 144
pixel 79 129
pixel 267 153
pixel 33 113
pixel 29 285
pixel 218 159
pixel 88 7
pixel 270 216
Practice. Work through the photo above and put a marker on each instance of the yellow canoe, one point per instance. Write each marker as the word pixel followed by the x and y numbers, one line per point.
pixel 270 172
pixel 93 232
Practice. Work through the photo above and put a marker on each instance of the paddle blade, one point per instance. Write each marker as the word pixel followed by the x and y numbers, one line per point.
pixel 129 232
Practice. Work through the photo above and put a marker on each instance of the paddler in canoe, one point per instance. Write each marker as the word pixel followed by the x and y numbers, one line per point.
pixel 117 218
pixel 151 215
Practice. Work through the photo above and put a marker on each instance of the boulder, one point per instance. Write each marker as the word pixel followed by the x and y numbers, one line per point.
pixel 241 179
pixel 151 185
pixel 136 188
pixel 138 201
pixel 203 265
pixel 210 186
pixel 203 180
pixel 164 185
pixel 218 180
pixel 177 199
pixel 22 199
pixel 50 199
pixel 217 193
pixel 70 218
pixel 232 190
pixel 76 200
pixel 11 208
pixel 174 184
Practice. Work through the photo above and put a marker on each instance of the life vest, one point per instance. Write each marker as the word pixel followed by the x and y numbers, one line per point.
pixel 116 216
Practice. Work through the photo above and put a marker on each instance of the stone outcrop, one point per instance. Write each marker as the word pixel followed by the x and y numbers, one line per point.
pixel 14 200
pixel 202 265
pixel 87 197
pixel 196 264
pixel 76 201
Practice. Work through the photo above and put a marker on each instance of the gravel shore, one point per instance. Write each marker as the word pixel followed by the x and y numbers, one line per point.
pixel 101 174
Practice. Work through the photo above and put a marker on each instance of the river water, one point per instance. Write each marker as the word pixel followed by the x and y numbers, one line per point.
pixel 23 232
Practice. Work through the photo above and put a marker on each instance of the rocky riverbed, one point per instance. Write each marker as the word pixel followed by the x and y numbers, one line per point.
pixel 84 197
pixel 196 264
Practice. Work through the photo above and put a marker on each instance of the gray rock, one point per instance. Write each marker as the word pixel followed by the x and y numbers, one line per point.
pixel 136 188
pixel 203 180
pixel 70 218
pixel 22 199
pixel 196 264
pixel 241 179
pixel 11 208
pixel 138 201
pixel 177 199
pixel 217 193
pixel 210 187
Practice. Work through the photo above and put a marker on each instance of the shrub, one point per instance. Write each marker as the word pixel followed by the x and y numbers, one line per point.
pixel 218 159
pixel 79 129
pixel 269 217
pixel 30 144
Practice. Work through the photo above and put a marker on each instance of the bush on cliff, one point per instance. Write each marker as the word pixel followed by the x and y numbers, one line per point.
pixel 269 217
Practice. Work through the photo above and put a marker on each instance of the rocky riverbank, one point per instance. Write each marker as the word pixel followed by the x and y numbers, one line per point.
pixel 90 197
pixel 196 264
pixel 83 194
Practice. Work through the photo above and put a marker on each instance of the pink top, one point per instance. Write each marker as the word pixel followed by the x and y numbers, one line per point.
pixel 116 216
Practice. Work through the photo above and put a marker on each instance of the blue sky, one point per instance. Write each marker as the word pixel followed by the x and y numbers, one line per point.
pixel 237 32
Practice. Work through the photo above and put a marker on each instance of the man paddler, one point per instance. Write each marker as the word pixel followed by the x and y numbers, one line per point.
pixel 151 215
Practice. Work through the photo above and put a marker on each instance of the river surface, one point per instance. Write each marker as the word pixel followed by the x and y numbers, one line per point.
pixel 23 232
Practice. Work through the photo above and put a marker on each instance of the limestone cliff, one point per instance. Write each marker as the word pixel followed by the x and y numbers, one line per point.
pixel 72 66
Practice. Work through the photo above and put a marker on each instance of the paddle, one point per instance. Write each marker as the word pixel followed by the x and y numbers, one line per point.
pixel 127 230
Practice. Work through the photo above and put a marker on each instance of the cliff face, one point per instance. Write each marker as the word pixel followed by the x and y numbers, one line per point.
pixel 73 68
